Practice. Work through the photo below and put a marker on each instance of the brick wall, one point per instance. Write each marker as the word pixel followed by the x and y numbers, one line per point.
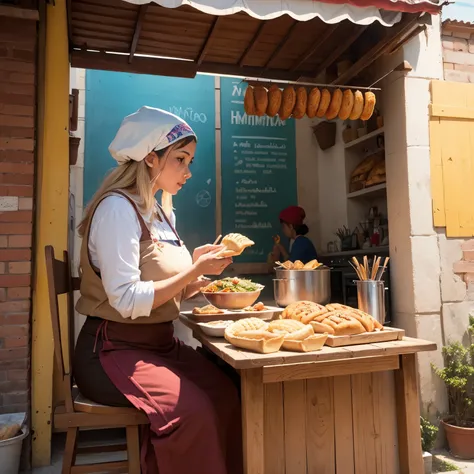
pixel 458 51
pixel 17 165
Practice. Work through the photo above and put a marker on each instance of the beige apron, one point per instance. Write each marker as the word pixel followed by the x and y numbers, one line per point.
pixel 158 261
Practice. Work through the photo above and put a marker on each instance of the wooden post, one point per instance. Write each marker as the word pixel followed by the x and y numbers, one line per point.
pixel 52 192
pixel 408 416
pixel 253 421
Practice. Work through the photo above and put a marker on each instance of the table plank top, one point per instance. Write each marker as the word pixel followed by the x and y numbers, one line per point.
pixel 243 359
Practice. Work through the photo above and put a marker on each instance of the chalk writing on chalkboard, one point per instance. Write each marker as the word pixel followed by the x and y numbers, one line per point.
pixel 258 171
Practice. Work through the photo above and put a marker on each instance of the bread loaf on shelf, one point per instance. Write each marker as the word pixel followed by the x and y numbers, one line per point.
pixel 377 174
pixel 361 172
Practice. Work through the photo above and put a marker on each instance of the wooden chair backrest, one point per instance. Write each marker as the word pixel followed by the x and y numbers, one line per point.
pixel 60 281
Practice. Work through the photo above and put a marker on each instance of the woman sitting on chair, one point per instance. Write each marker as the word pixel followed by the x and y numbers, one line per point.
pixel 135 271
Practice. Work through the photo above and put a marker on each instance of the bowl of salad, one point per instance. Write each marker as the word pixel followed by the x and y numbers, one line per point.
pixel 232 293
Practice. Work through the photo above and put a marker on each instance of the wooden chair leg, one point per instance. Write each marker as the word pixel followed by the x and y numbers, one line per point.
pixel 133 449
pixel 69 457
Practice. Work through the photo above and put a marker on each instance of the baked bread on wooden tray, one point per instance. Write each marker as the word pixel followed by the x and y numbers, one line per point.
pixel 335 319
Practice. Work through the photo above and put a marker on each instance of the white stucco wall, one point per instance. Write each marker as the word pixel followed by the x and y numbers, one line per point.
pixel 414 245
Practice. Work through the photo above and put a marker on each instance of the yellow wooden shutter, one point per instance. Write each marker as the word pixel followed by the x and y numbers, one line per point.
pixel 452 157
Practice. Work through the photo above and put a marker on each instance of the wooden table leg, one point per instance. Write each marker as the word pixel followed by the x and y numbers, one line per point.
pixel 408 416
pixel 253 421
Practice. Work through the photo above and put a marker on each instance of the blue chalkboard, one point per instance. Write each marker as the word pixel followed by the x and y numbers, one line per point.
pixel 258 171
pixel 110 96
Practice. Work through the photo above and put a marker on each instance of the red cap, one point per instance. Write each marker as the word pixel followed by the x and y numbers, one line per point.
pixel 293 215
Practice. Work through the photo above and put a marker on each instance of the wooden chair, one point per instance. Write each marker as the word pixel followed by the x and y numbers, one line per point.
pixel 77 412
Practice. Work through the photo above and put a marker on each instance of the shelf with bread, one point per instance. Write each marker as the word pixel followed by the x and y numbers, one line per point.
pixel 362 140
pixel 364 160
pixel 371 191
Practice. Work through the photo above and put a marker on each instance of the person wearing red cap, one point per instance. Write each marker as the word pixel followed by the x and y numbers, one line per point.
pixel 293 226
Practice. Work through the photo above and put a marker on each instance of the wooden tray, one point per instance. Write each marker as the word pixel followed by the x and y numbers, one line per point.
pixel 270 313
pixel 388 334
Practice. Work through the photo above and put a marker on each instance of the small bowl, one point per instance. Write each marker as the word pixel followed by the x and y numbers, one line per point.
pixel 229 300
pixel 215 328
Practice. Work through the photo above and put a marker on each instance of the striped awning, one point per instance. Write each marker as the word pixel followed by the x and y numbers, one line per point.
pixel 361 12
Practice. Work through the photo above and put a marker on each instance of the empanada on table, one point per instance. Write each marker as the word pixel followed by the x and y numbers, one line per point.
pixel 252 334
pixel 235 244
pixel 298 337
pixel 310 344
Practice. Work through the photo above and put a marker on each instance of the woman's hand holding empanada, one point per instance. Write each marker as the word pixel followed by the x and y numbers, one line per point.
pixel 198 251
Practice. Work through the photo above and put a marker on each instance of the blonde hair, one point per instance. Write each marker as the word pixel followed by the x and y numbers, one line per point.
pixel 133 176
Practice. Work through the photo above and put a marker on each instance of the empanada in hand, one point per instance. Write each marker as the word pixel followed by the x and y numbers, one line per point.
pixel 235 244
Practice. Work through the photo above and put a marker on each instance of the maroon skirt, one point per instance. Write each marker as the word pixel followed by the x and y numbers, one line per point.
pixel 193 407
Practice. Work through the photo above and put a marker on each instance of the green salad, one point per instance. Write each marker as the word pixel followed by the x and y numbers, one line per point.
pixel 232 285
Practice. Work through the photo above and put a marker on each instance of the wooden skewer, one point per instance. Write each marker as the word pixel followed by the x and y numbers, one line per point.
pixel 375 267
pixel 217 240
pixel 356 270
pixel 360 268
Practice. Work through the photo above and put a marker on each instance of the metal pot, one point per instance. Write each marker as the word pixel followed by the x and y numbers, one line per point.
pixel 297 285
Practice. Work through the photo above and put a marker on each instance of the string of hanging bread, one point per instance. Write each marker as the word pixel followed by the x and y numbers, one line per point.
pixel 297 103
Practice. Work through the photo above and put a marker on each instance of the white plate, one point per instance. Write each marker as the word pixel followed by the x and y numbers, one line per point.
pixel 270 312
pixel 214 330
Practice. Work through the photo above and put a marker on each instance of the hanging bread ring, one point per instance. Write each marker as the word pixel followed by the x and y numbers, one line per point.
pixel 313 102
pixel 323 103
pixel 369 105
pixel 287 103
pixel 274 100
pixel 335 105
pixel 249 101
pixel 347 104
pixel 261 100
pixel 358 106
pixel 301 102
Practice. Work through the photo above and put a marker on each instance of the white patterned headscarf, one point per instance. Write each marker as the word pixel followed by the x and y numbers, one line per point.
pixel 147 130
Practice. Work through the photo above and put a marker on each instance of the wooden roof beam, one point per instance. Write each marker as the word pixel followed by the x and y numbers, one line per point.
pixel 253 42
pixel 248 71
pixel 207 42
pixel 141 65
pixel 392 39
pixel 315 46
pixel 339 51
pixel 18 12
pixel 281 44
pixel 138 28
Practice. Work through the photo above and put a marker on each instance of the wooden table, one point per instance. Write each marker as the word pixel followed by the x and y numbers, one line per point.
pixel 350 410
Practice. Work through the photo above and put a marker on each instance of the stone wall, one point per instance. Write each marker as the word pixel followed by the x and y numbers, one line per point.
pixel 17 165
pixel 458 51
